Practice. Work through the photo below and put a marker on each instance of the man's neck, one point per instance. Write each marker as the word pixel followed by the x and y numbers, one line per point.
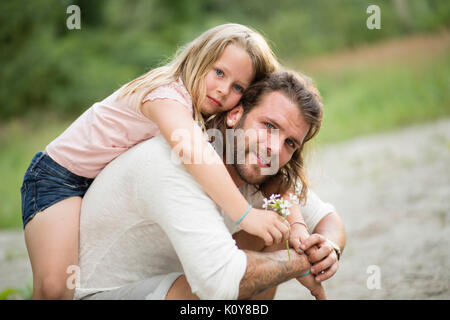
pixel 234 175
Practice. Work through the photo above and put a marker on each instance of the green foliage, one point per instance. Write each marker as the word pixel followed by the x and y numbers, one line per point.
pixel 45 66
pixel 376 99
pixel 23 293
pixel 356 102
pixel 49 73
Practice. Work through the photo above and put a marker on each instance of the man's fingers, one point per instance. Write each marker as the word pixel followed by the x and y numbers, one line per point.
pixel 316 254
pixel 327 273
pixel 324 264
pixel 314 239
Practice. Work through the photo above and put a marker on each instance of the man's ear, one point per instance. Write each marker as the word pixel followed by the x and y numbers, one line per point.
pixel 234 115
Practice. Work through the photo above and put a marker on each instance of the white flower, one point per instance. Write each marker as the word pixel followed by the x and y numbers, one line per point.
pixel 274 197
pixel 266 203
pixel 280 205
pixel 293 198
pixel 285 212
pixel 286 204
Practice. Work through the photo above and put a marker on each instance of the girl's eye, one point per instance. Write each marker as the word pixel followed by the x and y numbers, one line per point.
pixel 219 72
pixel 238 88
pixel 290 143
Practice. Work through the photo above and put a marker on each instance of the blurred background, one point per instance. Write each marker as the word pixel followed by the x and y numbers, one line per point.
pixel 373 83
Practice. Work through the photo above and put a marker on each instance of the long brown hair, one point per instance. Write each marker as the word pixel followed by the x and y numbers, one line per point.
pixel 300 89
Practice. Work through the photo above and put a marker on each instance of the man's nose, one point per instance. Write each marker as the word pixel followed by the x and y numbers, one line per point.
pixel 274 145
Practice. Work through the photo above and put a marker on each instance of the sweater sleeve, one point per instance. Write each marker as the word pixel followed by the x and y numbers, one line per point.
pixel 315 210
pixel 212 263
pixel 173 91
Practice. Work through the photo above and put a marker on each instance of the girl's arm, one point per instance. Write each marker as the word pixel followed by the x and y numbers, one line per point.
pixel 299 231
pixel 174 120
pixel 295 214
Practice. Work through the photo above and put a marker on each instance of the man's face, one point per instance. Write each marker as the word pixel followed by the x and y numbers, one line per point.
pixel 275 111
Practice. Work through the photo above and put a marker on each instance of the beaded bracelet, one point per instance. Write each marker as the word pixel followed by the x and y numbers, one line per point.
pixel 299 222
pixel 245 213
pixel 304 275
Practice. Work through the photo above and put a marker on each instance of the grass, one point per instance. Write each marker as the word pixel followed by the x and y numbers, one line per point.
pixel 358 100
pixel 23 293
pixel 394 95
pixel 19 141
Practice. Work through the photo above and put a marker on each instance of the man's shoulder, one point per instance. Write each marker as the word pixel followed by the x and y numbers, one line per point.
pixel 252 194
pixel 155 149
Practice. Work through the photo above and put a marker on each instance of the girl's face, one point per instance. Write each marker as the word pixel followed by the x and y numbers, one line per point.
pixel 226 80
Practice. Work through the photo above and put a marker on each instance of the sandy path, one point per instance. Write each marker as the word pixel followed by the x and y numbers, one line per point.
pixel 393 192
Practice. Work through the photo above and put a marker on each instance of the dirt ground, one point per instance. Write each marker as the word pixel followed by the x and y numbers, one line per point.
pixel 412 48
pixel 393 193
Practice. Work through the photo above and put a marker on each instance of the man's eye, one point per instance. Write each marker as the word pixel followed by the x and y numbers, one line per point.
pixel 269 126
pixel 219 72
pixel 238 88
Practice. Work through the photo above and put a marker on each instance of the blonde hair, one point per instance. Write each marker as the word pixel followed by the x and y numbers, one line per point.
pixel 193 61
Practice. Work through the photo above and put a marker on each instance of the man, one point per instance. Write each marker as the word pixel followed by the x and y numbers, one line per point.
pixel 148 230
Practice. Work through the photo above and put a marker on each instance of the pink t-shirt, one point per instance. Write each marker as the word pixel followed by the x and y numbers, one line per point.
pixel 109 128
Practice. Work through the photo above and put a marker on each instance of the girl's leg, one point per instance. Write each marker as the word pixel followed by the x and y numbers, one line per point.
pixel 52 242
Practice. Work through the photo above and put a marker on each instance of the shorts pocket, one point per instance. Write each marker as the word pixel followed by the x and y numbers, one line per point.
pixel 35 161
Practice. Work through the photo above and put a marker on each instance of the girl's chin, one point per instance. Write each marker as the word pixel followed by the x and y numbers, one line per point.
pixel 208 110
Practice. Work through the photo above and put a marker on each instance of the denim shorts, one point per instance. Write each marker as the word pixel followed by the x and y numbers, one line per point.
pixel 46 183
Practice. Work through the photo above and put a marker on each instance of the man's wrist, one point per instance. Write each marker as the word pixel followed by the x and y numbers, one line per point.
pixel 268 269
pixel 336 248
pixel 299 263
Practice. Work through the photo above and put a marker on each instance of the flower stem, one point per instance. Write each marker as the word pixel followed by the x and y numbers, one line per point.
pixel 287 248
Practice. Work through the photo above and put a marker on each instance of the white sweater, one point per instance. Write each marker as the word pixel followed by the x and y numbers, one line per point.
pixel 144 215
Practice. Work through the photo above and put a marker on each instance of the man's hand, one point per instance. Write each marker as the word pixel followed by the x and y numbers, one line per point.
pixel 321 255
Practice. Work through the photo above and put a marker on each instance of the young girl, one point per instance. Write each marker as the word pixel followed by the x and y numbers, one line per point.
pixel 208 76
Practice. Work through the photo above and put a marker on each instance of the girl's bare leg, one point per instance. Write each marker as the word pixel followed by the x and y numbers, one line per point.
pixel 52 242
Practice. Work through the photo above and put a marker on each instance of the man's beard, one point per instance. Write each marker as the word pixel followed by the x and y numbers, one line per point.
pixel 249 173
pixel 245 173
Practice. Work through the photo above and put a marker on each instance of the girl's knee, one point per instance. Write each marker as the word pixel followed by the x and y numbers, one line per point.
pixel 51 288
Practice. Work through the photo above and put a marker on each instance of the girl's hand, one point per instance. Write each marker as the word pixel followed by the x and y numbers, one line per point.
pixel 267 225
pixel 298 235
